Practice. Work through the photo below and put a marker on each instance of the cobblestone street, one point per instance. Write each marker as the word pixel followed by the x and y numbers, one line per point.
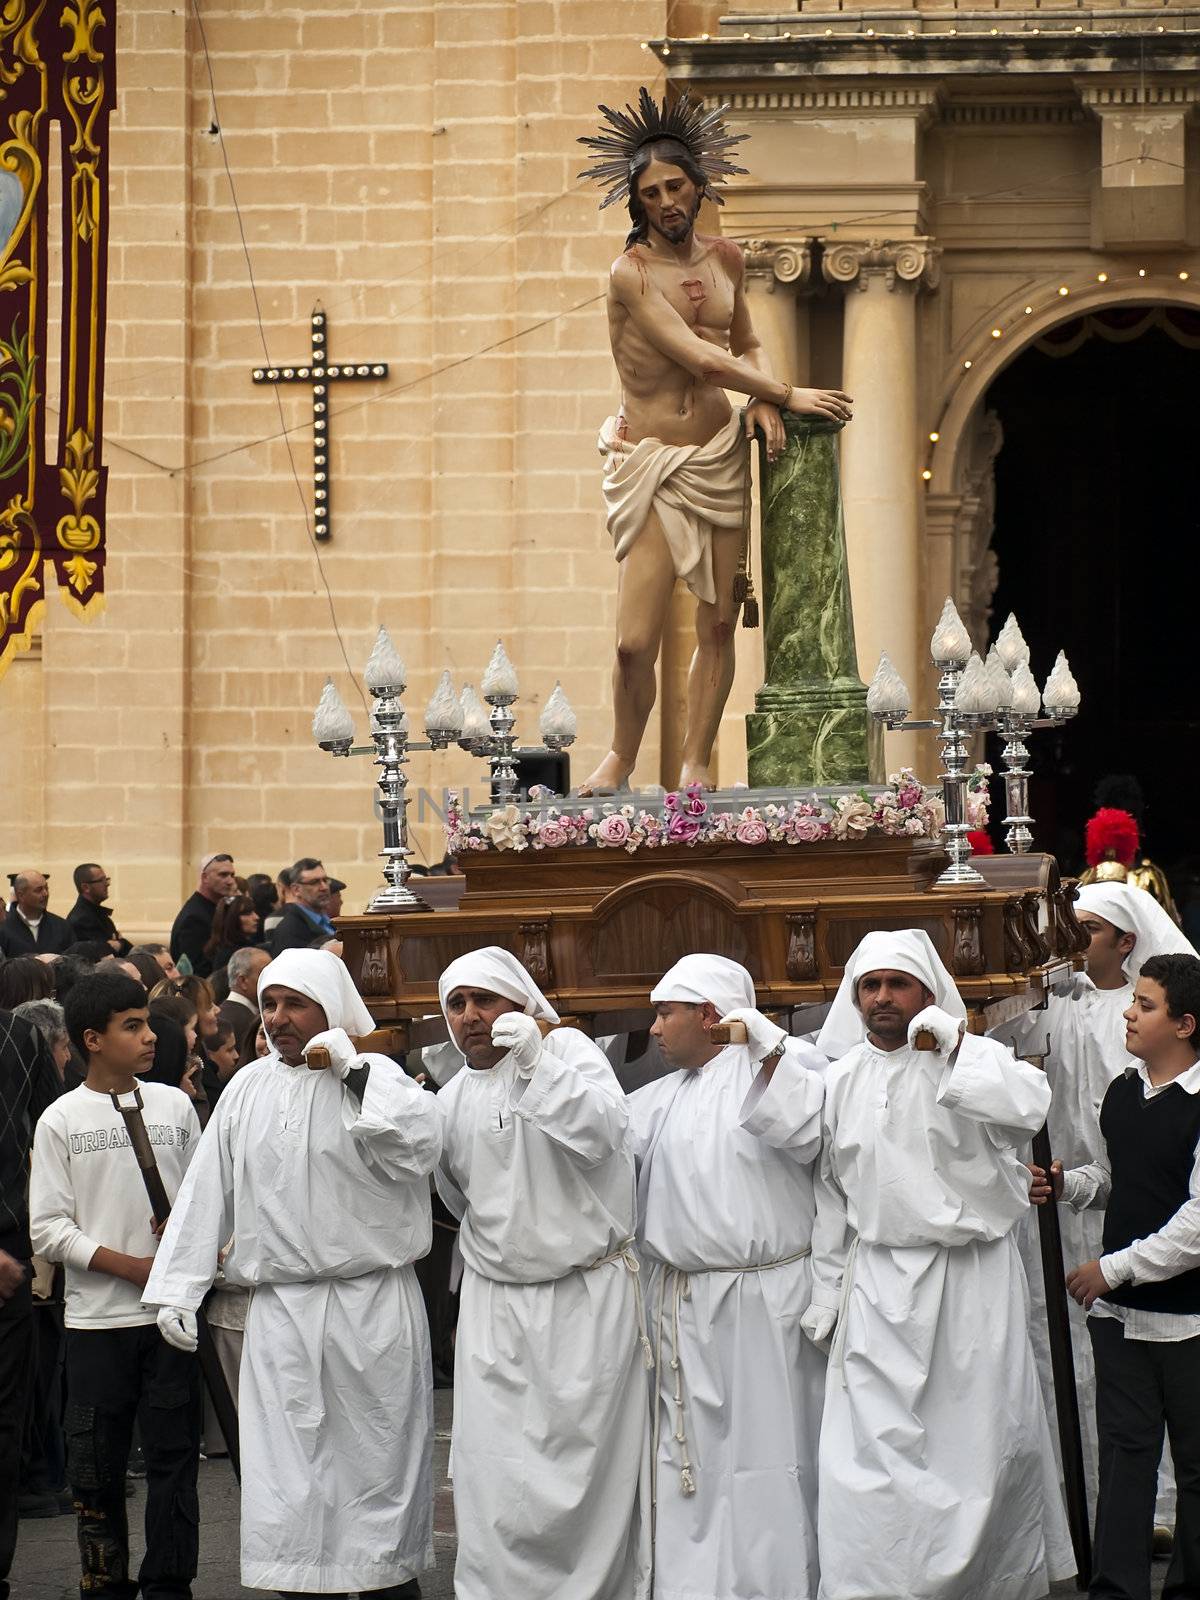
pixel 47 1562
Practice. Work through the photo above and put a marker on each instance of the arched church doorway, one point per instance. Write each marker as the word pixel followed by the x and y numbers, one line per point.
pixel 1097 542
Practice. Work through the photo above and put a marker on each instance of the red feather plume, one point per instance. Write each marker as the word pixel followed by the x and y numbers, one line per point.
pixel 981 842
pixel 1111 835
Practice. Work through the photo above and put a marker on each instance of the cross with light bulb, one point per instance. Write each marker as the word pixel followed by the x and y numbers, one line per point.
pixel 977 696
pixel 449 719
pixel 320 372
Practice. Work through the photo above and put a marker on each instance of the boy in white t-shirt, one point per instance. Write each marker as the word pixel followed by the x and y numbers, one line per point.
pixel 89 1210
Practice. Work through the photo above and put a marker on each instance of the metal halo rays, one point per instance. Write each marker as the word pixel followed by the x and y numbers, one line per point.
pixel 625 132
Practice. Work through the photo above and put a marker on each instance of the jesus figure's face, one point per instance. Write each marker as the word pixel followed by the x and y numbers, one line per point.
pixel 669 199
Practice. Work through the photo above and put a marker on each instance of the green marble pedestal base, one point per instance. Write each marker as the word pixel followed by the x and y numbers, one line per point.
pixel 810 723
pixel 817 733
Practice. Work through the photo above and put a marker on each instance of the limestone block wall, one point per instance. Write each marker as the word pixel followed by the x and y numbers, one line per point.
pixel 411 166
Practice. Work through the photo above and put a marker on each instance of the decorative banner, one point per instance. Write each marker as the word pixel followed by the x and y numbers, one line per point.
pixel 57 65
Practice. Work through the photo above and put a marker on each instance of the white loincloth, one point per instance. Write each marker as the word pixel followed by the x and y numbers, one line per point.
pixel 693 488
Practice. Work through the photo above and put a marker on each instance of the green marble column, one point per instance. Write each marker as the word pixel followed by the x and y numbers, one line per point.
pixel 810 723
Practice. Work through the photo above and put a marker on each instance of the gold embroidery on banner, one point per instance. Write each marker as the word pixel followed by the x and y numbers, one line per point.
pixel 18 531
pixel 53 66
pixel 79 532
pixel 17 25
pixel 85 16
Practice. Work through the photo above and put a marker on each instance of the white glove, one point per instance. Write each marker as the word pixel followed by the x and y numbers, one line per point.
pixel 1074 986
pixel 763 1037
pixel 178 1327
pixel 521 1037
pixel 342 1054
pixel 947 1030
pixel 818 1322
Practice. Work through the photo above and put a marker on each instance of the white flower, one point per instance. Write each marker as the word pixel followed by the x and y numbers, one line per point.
pixel 503 828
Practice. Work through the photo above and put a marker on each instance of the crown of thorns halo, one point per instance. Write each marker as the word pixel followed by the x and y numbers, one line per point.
pixel 702 132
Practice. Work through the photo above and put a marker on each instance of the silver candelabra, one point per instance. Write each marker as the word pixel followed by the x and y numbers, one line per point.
pixel 449 719
pixel 976 696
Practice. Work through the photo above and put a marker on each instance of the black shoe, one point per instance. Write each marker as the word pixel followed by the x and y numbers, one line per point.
pixel 137 1463
pixel 396 1591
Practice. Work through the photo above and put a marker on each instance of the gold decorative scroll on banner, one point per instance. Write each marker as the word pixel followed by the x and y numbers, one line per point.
pixel 57 72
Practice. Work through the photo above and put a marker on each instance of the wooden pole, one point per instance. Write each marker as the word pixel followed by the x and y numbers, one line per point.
pixel 1062 1364
pixel 160 1207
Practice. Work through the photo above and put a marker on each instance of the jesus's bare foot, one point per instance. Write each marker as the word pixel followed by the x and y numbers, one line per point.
pixel 696 772
pixel 612 774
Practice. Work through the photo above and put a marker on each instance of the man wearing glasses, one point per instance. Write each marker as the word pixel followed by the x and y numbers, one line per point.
pixel 307 915
pixel 89 917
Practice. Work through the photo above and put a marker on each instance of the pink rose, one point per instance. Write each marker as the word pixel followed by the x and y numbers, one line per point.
pixel 694 806
pixel 806 830
pixel 751 829
pixel 613 829
pixel 683 829
pixel 553 834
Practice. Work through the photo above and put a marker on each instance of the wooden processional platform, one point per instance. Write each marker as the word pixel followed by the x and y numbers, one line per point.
pixel 598 927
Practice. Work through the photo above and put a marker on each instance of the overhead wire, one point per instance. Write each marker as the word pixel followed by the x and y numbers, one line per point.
pixel 262 330
pixel 830 226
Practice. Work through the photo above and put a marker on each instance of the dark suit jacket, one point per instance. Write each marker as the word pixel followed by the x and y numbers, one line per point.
pixel 191 931
pixel 53 935
pixel 295 931
pixel 89 921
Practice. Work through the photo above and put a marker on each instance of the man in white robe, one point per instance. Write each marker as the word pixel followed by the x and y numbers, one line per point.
pixel 1084 1027
pixel 937 1480
pixel 726 1145
pixel 322 1179
pixel 550 1446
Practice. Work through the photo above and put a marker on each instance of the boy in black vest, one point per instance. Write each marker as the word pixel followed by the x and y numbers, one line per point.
pixel 1143 1294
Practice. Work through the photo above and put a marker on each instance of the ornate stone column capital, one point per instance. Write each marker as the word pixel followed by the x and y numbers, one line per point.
pixel 905 263
pixel 771 262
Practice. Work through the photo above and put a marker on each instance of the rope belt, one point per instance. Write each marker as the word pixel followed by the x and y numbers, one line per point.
pixel 677 1286
pixel 626 1255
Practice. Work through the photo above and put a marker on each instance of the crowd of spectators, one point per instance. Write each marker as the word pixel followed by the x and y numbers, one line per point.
pixel 201 987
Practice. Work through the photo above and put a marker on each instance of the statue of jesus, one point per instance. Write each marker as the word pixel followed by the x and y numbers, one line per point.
pixel 676 462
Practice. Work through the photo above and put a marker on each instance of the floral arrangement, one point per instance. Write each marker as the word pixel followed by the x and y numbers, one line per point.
pixel 905 807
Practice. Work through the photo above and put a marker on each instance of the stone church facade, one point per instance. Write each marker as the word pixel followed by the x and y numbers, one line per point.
pixel 926 183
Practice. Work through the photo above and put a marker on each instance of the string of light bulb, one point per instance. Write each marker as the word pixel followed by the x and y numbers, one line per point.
pixel 999 331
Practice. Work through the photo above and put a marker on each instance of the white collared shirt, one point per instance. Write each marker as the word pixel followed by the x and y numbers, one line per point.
pixel 1175 1248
